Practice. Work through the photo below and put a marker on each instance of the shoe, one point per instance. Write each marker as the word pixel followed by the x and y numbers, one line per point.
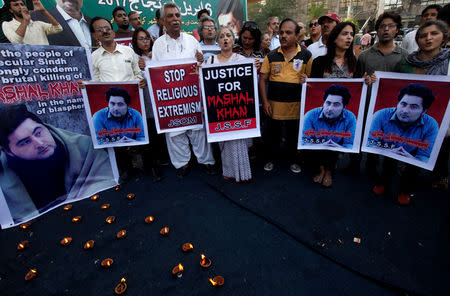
pixel 378 189
pixel 183 172
pixel 295 168
pixel 404 199
pixel 210 169
pixel 268 167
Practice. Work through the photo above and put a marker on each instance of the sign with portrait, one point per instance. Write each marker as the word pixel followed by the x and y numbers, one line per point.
pixel 116 113
pixel 332 114
pixel 230 97
pixel 47 157
pixel 408 117
pixel 175 95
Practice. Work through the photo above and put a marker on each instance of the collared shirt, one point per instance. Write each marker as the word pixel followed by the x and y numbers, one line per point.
pixel 167 48
pixel 209 50
pixel 36 32
pixel 318 49
pixel 274 42
pixel 387 132
pixel 409 42
pixel 80 28
pixel 317 129
pixel 120 65
pixel 284 81
pixel 373 59
pixel 108 129
pixel 154 30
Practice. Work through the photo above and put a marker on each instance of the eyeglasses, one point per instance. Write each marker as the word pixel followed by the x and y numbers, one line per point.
pixel 209 27
pixel 313 24
pixel 144 39
pixel 390 26
pixel 101 29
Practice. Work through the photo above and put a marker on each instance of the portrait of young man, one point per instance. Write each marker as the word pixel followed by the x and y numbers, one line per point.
pixel 118 122
pixel 406 129
pixel 43 166
pixel 332 124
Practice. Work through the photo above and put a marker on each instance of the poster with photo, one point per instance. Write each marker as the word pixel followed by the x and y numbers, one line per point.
pixel 408 117
pixel 47 157
pixel 116 113
pixel 175 95
pixel 230 97
pixel 332 114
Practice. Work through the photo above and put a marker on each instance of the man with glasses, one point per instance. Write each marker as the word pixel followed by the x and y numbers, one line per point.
pixel 327 23
pixel 114 62
pixel 314 32
pixel 273 25
pixel 207 30
pixel 429 13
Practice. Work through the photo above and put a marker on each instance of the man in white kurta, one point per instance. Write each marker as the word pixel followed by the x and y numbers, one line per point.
pixel 178 45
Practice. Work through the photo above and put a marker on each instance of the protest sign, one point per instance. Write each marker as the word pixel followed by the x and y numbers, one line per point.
pixel 116 114
pixel 175 95
pixel 125 41
pixel 408 117
pixel 332 114
pixel 230 97
pixel 47 156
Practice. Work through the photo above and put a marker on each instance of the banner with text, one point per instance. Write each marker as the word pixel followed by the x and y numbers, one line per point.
pixel 230 97
pixel 332 114
pixel 47 157
pixel 408 117
pixel 175 95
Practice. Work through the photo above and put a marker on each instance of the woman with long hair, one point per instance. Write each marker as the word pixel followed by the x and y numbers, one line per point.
pixel 249 42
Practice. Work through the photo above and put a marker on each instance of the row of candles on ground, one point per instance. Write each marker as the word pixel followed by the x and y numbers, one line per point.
pixel 177 271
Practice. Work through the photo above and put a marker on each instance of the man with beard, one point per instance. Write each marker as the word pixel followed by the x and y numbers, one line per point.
pixel 176 44
pixel 118 116
pixel 327 23
pixel 74 23
pixel 21 29
pixel 41 165
pixel 123 23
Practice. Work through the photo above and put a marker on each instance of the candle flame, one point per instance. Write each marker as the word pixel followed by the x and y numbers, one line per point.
pixel 180 267
pixel 21 246
pixel 122 280
pixel 203 259
pixel 88 245
pixel 191 246
pixel 108 263
pixel 33 271
pixel 66 240
pixel 213 282
pixel 117 187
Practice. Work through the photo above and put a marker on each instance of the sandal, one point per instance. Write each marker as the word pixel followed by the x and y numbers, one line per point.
pixel 327 182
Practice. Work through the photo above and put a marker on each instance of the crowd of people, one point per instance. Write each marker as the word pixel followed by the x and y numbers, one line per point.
pixel 285 58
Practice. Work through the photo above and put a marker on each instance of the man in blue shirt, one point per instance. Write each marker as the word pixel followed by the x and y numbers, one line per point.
pixel 118 122
pixel 332 124
pixel 406 130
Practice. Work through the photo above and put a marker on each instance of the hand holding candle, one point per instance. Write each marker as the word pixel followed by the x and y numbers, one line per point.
pixel 66 241
pixel 121 234
pixel 121 287
pixel 187 247
pixel 164 231
pixel 149 219
pixel 205 262
pixel 106 263
pixel 217 281
pixel 76 219
pixel 89 245
pixel 67 207
pixel 95 197
pixel 31 274
pixel 178 270
pixel 22 245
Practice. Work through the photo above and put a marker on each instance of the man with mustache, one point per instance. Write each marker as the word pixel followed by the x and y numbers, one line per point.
pixel 21 29
pixel 177 45
pixel 42 165
pixel 123 23
pixel 327 23
pixel 75 24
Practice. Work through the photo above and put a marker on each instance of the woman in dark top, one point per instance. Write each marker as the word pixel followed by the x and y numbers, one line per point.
pixel 339 62
pixel 249 42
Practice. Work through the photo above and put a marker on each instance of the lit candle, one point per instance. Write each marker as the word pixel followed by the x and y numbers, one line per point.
pixel 67 207
pixel 106 263
pixel 217 281
pixel 205 262
pixel 130 195
pixel 105 206
pixel 121 234
pixel 110 219
pixel 25 225
pixel 66 241
pixel 187 247
pixel 89 245
pixel 121 287
pixel 178 270
pixel 164 231
pixel 95 197
pixel 22 245
pixel 117 187
pixel 31 274
pixel 149 219
pixel 76 219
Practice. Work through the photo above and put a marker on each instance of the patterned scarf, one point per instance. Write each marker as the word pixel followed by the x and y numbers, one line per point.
pixel 436 66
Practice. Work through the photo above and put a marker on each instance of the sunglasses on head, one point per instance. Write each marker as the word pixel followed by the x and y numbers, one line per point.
pixel 251 25
pixel 313 24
